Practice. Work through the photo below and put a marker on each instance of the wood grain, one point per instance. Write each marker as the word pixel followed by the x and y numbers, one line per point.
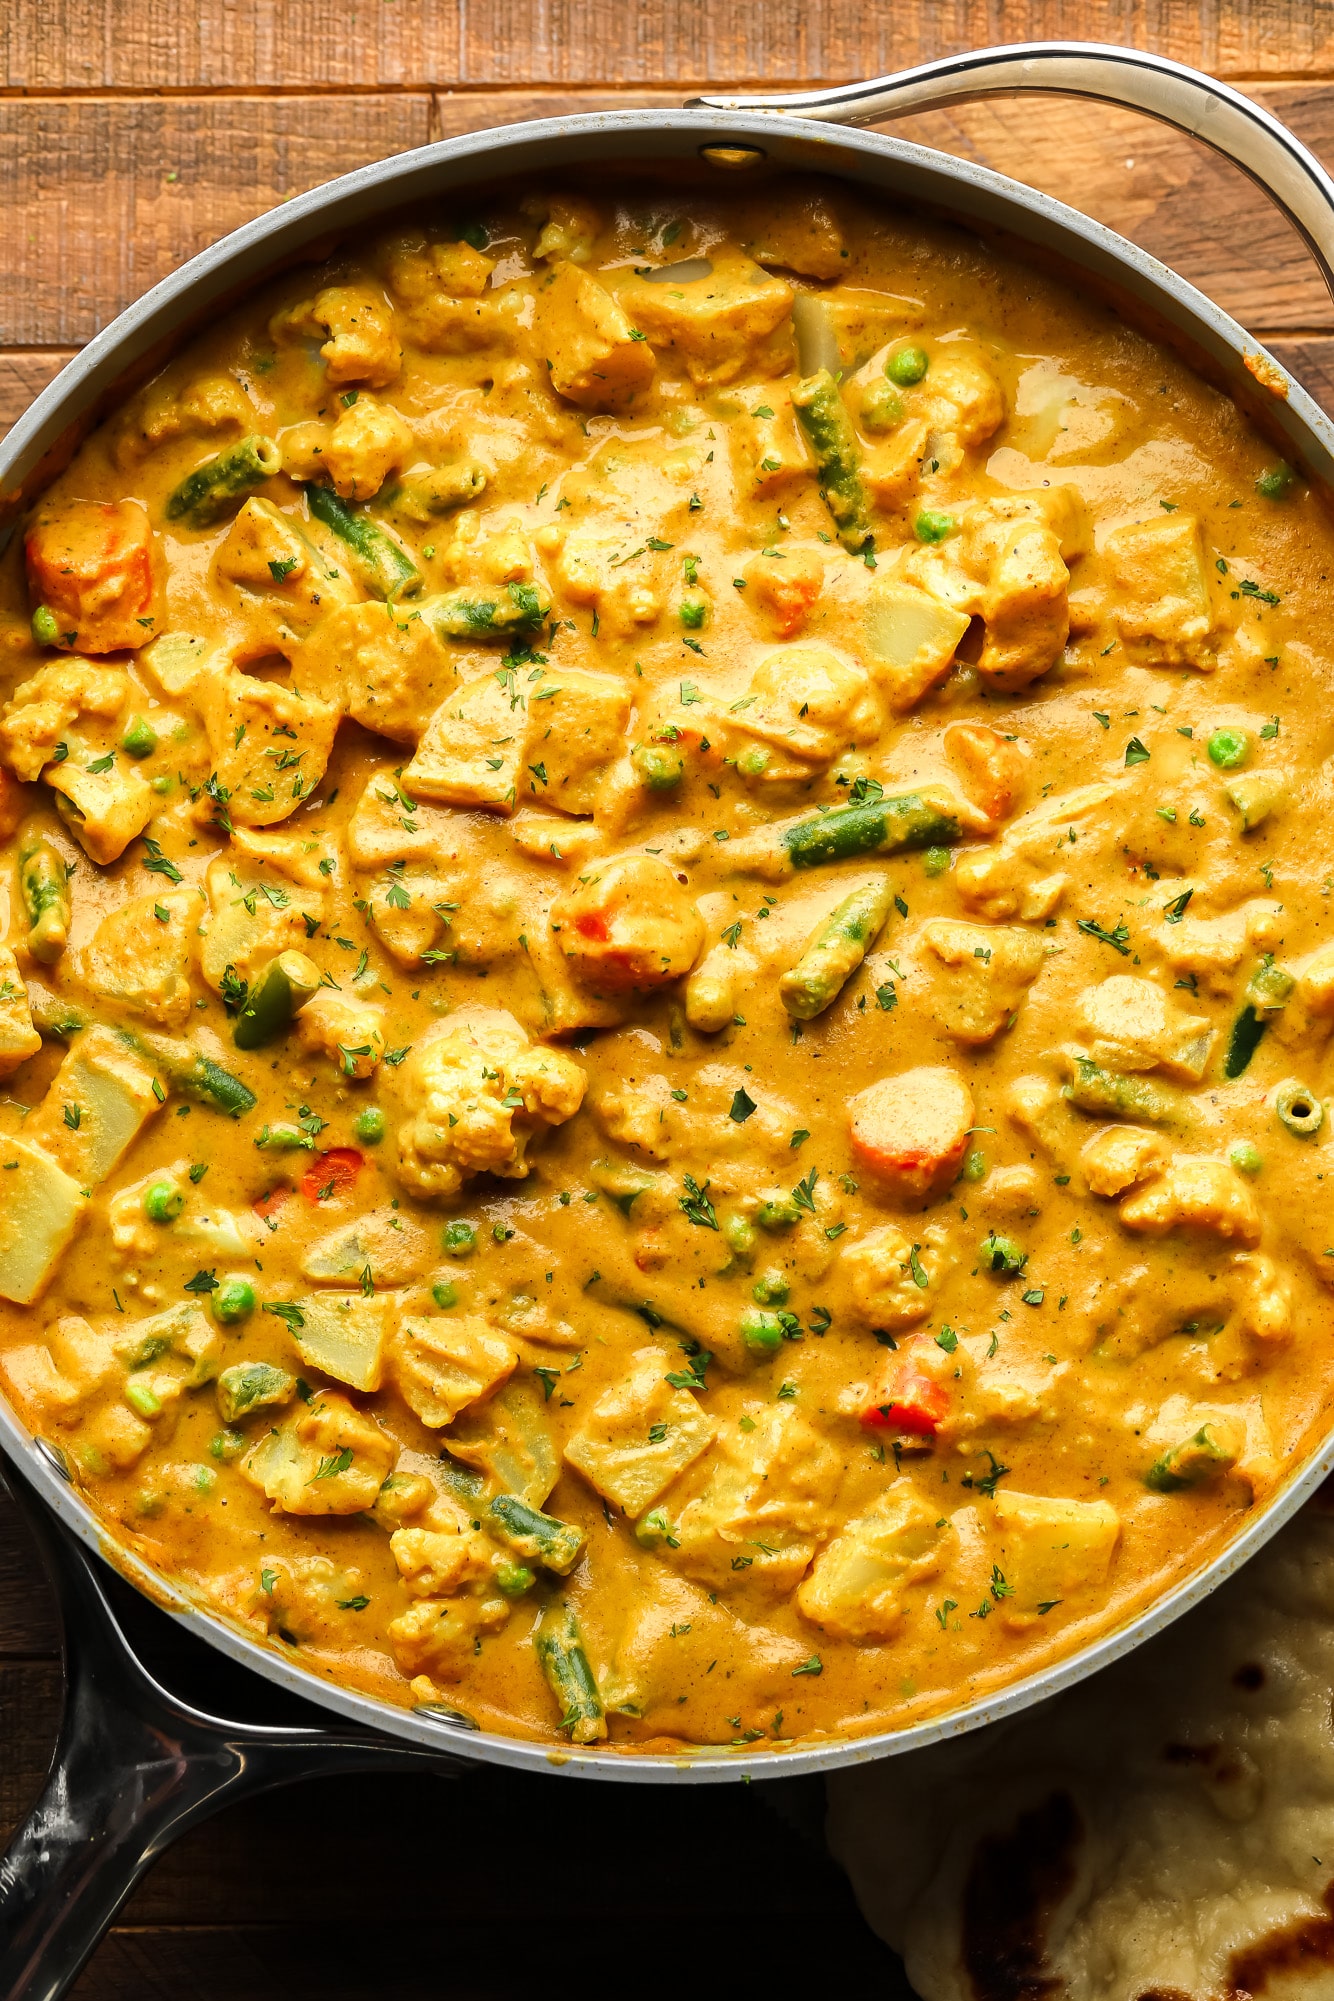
pixel 109 195
pixel 23 375
pixel 142 45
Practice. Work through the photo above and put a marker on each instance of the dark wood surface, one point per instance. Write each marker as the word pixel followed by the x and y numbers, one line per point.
pixel 133 133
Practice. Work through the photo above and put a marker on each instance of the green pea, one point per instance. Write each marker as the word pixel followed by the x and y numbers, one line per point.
pixel 777 1212
pixel 657 768
pixel 164 782
pixel 370 1125
pixel 975 1166
pixel 739 1234
pixel 140 738
pixel 459 1239
pixel 1246 1158
pixel 693 612
pixel 1003 1256
pixel 227 1445
pixel 233 1300
pixel 1274 482
pixel 932 527
pixel 163 1201
pixel 882 407
pixel 445 1293
pixel 513 1579
pixel 771 1288
pixel 1229 747
pixel 936 861
pixel 762 1332
pixel 907 365
pixel 45 629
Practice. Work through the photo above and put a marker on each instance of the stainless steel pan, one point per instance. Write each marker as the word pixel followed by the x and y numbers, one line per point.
pixel 135 1765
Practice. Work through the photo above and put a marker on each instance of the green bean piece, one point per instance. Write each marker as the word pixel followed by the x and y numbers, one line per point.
pixel 1094 1089
pixel 540 1538
pixel 1003 1256
pixel 204 495
pixel 251 1386
pixel 283 1137
pixel 509 609
pixel 1247 1032
pixel 1299 1109
pixel 44 883
pixel 45 626
pixel 233 1300
pixel 198 1076
pixel 432 494
pixel 561 1655
pixel 384 566
pixel 141 1397
pixel 1270 987
pixel 824 418
pixel 835 950
pixel 907 365
pixel 163 1201
pixel 1215 1448
pixel 52 1015
pixel 276 996
pixel 877 826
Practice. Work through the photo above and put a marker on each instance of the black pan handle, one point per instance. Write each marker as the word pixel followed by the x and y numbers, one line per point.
pixel 1234 125
pixel 134 1767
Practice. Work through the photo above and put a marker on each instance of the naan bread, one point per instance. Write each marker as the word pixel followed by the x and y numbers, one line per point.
pixel 1164 1832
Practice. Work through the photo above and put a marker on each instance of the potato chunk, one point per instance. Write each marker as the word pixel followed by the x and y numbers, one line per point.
pixel 40 1209
pixel 595 356
pixel 345 1337
pixel 1135 1027
pixel 104 810
pixel 1163 609
pixel 327 1458
pixel 443 1365
pixel 95 1105
pixel 721 325
pixel 1050 1549
pixel 640 1434
pixel 143 961
pixel 855 1588
pixel 912 637
pixel 765 1504
pixel 1024 608
pixel 573 735
pixel 269 746
pixel 18 1038
pixel 991 967
pixel 472 753
pixel 92 565
pixel 912 1130
pixel 892 1281
pixel 386 668
pixel 480 1094
pixel 629 925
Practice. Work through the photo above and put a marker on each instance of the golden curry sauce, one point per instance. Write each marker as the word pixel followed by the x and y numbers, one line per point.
pixel 669 973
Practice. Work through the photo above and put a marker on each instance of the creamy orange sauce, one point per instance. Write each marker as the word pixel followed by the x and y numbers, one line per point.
pixel 669 977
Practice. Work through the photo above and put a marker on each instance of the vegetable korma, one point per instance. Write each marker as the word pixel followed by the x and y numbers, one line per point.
pixel 669 975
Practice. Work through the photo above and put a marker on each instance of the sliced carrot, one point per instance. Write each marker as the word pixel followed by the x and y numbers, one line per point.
pixel 907 1401
pixel 912 1130
pixel 332 1173
pixel 91 564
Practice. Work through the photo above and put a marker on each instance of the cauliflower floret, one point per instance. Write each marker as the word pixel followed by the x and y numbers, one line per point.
pixel 991 969
pixel 570 228
pixel 891 1281
pixel 43 710
pixel 165 411
pixel 440 1635
pixel 1119 1157
pixel 350 1031
pixel 1194 1193
pixel 436 1564
pixel 481 1093
pixel 805 707
pixel 854 1591
pixel 369 441
pixel 961 396
pixel 387 670
pixel 735 319
pixel 362 343
pixel 18 1038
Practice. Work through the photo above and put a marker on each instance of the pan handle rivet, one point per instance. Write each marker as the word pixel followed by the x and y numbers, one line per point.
pixel 733 159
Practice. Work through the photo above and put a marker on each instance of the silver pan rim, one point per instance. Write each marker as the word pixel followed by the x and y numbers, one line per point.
pixel 937 181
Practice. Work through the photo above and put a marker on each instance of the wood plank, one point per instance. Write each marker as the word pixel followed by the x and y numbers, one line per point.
pixel 143 45
pixel 29 1628
pixel 103 197
pixel 22 376
pixel 95 216
pixel 1312 362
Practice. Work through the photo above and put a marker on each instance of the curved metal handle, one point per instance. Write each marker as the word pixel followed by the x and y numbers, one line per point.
pixel 1252 138
pixel 134 1767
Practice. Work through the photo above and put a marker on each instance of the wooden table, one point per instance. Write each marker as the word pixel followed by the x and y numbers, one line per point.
pixel 134 132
